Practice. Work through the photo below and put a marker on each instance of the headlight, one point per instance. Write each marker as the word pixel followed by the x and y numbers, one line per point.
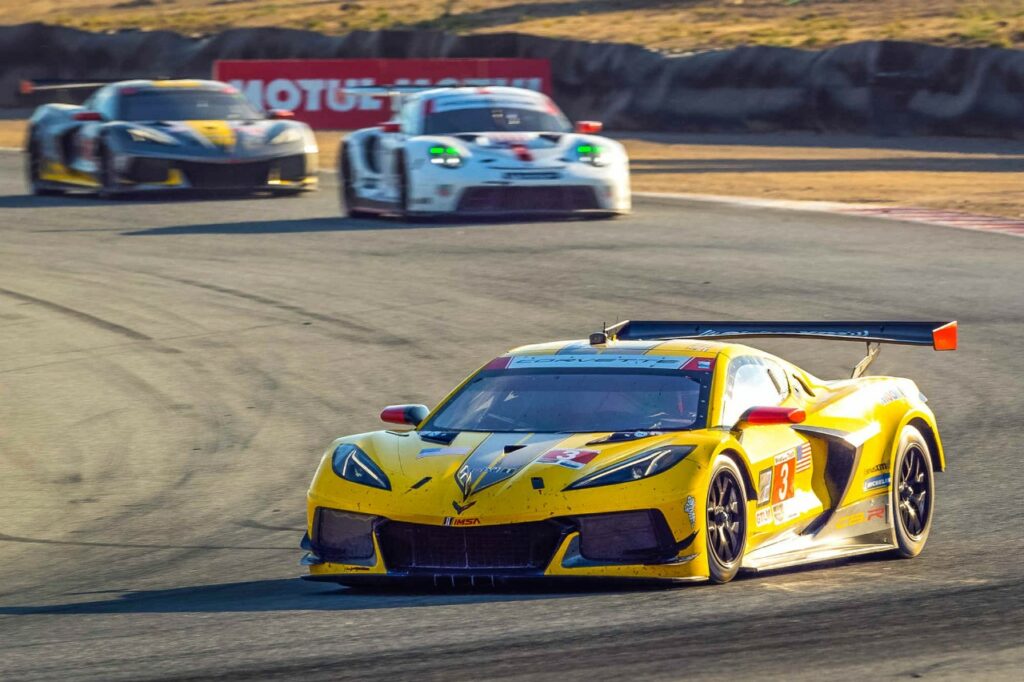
pixel 143 135
pixel 644 465
pixel 352 464
pixel 445 156
pixel 286 136
pixel 591 153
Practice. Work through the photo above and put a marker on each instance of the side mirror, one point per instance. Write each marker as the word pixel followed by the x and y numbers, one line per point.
pixel 409 415
pixel 87 116
pixel 390 127
pixel 278 114
pixel 773 415
pixel 589 127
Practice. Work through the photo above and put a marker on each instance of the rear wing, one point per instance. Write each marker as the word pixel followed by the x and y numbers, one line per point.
pixel 938 335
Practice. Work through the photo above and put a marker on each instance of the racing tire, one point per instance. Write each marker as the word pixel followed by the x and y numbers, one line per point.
pixel 33 162
pixel 912 493
pixel 108 182
pixel 726 505
pixel 404 186
pixel 347 192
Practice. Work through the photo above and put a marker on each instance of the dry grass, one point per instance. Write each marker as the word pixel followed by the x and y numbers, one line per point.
pixel 985 179
pixel 675 25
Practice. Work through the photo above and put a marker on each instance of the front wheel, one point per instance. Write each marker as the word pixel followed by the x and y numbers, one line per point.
pixel 346 182
pixel 726 521
pixel 33 170
pixel 913 493
pixel 107 175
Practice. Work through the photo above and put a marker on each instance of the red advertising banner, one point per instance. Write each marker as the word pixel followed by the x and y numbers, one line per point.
pixel 318 90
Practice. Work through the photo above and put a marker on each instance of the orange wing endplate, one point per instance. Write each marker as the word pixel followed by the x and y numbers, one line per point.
pixel 944 338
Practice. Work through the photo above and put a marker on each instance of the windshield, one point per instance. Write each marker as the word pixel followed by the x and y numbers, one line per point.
pixel 577 400
pixel 494 119
pixel 186 105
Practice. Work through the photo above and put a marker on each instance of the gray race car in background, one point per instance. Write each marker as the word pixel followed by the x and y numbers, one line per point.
pixel 150 135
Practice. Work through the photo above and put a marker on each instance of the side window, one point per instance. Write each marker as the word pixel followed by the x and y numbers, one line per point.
pixel 407 118
pixel 752 382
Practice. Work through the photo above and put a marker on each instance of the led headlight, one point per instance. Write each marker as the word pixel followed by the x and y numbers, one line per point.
pixel 143 135
pixel 591 153
pixel 286 136
pixel 445 156
pixel 644 465
pixel 352 464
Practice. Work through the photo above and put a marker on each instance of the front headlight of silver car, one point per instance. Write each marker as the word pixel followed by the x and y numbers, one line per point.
pixel 447 157
pixel 352 464
pixel 286 136
pixel 592 154
pixel 644 465
pixel 154 136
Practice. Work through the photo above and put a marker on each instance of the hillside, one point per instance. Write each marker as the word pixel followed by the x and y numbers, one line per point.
pixel 670 25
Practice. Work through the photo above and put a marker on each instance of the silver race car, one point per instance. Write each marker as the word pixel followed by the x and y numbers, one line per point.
pixel 482 151
pixel 148 135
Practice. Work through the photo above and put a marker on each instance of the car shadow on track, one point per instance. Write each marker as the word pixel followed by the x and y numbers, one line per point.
pixel 338 224
pixel 298 595
pixel 32 201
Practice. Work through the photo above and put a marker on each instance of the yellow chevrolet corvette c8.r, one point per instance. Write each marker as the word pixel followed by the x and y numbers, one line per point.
pixel 653 450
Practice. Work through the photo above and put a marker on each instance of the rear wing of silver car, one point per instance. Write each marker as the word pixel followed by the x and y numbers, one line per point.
pixel 938 335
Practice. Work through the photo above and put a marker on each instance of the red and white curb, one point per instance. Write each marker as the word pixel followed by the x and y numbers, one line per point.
pixel 927 216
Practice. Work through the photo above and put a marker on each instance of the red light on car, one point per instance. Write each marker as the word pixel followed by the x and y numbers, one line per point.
pixel 522 153
pixel 774 415
pixel 26 87
pixel 499 363
pixel 945 337
pixel 588 127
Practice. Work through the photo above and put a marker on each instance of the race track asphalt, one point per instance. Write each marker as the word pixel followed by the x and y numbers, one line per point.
pixel 171 370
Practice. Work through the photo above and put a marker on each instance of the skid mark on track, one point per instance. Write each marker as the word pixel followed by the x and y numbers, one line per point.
pixel 78 315
pixel 362 333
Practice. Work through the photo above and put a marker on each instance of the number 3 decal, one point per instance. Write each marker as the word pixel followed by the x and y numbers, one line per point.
pixel 784 473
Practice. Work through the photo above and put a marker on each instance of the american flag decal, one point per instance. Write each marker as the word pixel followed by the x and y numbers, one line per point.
pixel 803 457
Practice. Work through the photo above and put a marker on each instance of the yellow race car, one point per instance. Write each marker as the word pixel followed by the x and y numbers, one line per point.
pixel 650 451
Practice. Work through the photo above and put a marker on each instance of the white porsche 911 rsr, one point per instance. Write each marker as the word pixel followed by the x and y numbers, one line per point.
pixel 482 151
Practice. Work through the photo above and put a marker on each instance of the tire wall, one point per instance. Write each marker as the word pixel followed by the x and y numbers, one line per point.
pixel 887 88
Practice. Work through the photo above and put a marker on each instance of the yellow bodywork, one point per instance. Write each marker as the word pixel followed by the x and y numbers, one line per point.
pixel 874 409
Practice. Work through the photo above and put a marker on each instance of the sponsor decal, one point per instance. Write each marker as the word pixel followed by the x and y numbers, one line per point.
pixel 691 510
pixel 438 452
pixel 803 457
pixel 700 364
pixel 324 92
pixel 875 513
pixel 452 521
pixel 883 466
pixel 876 482
pixel 784 477
pixel 764 487
pixel 764 517
pixel 599 360
pixel 461 508
pixel 891 394
pixel 571 459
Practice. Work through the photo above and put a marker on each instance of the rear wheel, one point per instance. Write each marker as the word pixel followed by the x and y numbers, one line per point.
pixel 913 493
pixel 108 177
pixel 34 168
pixel 347 185
pixel 726 521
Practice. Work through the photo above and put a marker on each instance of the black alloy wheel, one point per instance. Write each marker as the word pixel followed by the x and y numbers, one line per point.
pixel 913 492
pixel 726 521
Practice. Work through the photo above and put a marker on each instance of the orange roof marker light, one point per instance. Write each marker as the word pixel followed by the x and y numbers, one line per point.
pixel 945 337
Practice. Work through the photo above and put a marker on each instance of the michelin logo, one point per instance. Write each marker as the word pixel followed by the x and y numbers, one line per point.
pixel 876 482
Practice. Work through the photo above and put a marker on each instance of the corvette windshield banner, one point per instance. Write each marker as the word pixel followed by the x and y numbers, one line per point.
pixel 320 91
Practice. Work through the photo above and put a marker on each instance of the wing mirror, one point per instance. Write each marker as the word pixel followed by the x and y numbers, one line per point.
pixel 390 127
pixel 278 114
pixel 772 415
pixel 87 116
pixel 589 127
pixel 409 415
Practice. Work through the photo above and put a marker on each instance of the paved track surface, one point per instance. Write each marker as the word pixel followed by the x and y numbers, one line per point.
pixel 170 371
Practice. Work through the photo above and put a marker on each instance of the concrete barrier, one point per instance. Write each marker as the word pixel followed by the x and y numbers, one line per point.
pixel 887 88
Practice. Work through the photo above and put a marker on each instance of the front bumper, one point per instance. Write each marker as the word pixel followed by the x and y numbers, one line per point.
pixel 559 189
pixel 641 544
pixel 294 172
